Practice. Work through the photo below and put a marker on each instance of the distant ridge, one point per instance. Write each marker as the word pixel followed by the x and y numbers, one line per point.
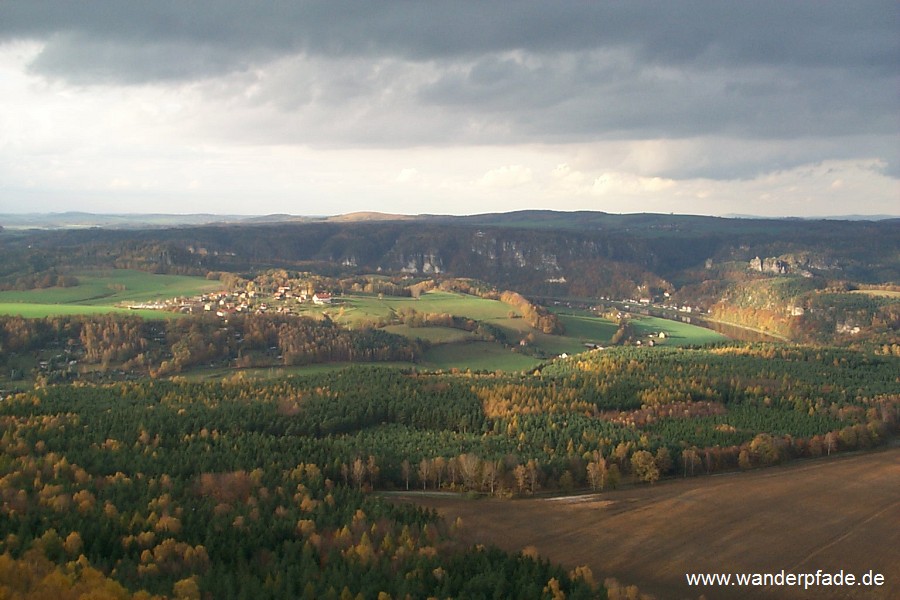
pixel 370 216
pixel 521 218
pixel 83 220
pixel 827 218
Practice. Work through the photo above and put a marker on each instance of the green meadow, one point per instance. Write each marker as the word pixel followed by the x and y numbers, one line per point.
pixel 102 292
pixel 36 311
pixel 361 308
pixel 453 348
pixel 477 356
pixel 677 333
pixel 434 335
pixel 588 329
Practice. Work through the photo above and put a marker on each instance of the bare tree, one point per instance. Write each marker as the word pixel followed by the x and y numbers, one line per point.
pixel 438 466
pixel 521 475
pixel 690 458
pixel 405 470
pixel 468 466
pixel 490 471
pixel 424 471
pixel 596 474
pixel 358 472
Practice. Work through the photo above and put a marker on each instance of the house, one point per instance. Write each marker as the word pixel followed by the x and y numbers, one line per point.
pixel 322 298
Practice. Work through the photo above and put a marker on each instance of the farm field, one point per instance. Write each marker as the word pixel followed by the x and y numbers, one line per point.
pixel 478 356
pixel 362 308
pixel 677 333
pixel 435 335
pixel 580 328
pixel 460 352
pixel 588 327
pixel 103 291
pixel 34 310
pixel 829 514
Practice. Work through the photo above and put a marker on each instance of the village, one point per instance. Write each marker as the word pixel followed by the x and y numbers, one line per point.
pixel 224 304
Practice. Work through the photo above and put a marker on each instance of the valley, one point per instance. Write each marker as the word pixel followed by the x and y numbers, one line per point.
pixel 518 406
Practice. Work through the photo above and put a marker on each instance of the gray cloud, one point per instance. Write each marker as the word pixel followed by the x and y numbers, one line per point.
pixel 712 32
pixel 416 73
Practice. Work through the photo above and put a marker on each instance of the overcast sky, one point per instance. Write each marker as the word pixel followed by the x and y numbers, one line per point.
pixel 778 108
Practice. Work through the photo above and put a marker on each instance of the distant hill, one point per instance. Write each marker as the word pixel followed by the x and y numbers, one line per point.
pixel 528 219
pixel 82 220
pixel 709 263
pixel 369 216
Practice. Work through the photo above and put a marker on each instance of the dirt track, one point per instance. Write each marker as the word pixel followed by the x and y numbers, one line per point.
pixel 840 513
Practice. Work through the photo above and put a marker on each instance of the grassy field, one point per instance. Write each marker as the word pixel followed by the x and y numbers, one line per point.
pixel 581 326
pixel 34 311
pixel 478 356
pixel 878 293
pixel 587 328
pixel 829 514
pixel 677 333
pixel 435 335
pixel 361 308
pixel 104 291
pixel 453 348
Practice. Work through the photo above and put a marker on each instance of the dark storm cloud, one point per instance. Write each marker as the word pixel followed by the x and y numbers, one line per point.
pixel 400 73
pixel 835 34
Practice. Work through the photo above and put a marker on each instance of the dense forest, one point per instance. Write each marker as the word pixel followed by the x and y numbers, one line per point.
pixel 270 488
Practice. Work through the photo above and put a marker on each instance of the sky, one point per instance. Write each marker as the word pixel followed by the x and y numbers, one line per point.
pixel 768 108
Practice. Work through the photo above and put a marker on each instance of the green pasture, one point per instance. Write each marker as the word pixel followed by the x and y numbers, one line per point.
pixel 435 335
pixel 677 333
pixel 587 328
pixel 37 311
pixel 554 345
pixel 362 308
pixel 477 356
pixel 480 309
pixel 103 292
pixel 455 349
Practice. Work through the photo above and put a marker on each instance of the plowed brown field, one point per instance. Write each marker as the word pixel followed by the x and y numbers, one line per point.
pixel 832 514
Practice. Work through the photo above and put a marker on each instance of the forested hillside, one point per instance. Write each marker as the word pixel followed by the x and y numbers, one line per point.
pixel 265 488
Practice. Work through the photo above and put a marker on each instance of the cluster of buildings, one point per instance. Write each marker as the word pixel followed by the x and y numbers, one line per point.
pixel 285 292
pixel 225 304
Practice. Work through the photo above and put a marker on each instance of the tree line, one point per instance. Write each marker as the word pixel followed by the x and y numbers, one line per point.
pixel 160 348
